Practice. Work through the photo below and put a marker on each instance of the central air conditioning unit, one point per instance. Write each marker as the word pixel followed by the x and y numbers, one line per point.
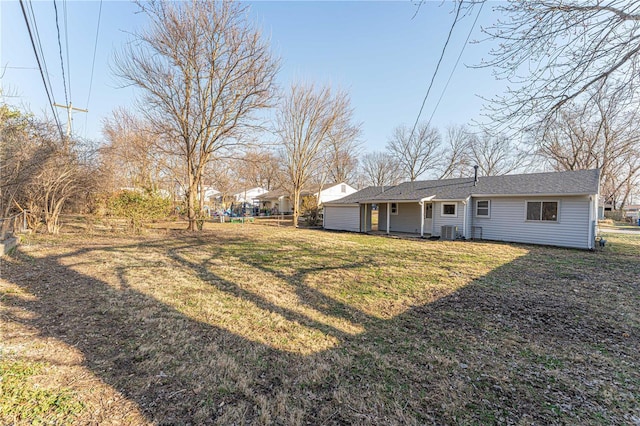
pixel 449 232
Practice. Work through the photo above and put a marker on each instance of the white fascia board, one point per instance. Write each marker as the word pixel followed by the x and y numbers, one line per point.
pixel 531 195
pixel 330 204
pixel 387 201
pixel 422 200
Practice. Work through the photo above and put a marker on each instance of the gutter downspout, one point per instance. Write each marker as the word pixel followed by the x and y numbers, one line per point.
pixel 464 218
pixel 421 219
pixel 591 231
pixel 388 217
pixel 596 202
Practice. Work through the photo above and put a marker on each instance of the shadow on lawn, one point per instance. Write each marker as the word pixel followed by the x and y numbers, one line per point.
pixel 551 337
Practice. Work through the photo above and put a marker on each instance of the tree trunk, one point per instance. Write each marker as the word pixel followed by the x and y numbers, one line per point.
pixel 192 190
pixel 296 206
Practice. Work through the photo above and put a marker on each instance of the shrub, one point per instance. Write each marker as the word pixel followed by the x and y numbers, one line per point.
pixel 139 206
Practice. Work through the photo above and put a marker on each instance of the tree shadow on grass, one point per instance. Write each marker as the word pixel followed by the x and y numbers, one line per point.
pixel 540 340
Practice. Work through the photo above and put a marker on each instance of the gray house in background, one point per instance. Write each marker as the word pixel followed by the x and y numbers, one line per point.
pixel 558 208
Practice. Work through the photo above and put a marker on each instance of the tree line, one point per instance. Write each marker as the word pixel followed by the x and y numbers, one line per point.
pixel 206 78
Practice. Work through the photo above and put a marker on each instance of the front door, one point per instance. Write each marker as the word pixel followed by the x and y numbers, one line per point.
pixel 428 217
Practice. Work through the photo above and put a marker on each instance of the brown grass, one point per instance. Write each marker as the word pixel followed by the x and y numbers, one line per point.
pixel 263 324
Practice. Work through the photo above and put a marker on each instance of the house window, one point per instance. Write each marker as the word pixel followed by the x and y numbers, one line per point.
pixel 482 208
pixel 544 211
pixel 449 209
pixel 428 211
pixel 343 188
pixel 394 208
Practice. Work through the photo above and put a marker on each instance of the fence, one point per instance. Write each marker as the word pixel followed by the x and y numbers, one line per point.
pixel 13 224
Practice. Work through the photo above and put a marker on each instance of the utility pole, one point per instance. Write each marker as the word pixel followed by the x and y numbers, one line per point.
pixel 70 108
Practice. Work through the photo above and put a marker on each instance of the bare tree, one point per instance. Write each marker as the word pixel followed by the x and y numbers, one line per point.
pixel 204 70
pixel 260 168
pixel 131 154
pixel 456 160
pixel 603 133
pixel 40 173
pixel 343 149
pixel 416 152
pixel 494 155
pixel 17 161
pixel 554 51
pixel 306 119
pixel 380 169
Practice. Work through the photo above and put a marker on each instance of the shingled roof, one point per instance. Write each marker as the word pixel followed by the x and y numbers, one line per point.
pixel 362 195
pixel 579 182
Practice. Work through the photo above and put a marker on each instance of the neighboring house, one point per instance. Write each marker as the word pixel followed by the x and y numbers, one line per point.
pixel 276 201
pixel 280 201
pixel 211 193
pixel 249 195
pixel 632 211
pixel 558 208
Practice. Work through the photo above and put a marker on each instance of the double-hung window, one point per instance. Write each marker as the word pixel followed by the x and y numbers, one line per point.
pixel 394 208
pixel 542 211
pixel 483 208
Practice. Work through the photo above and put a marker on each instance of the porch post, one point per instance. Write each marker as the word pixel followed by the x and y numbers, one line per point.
pixel 421 219
pixel 366 209
pixel 388 216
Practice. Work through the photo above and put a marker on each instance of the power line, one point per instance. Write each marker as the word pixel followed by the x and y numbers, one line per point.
pixel 66 42
pixel 95 49
pixel 444 48
pixel 457 61
pixel 19 68
pixel 93 64
pixel 42 57
pixel 35 51
pixel 64 79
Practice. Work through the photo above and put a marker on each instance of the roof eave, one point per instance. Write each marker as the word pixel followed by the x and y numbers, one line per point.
pixel 551 194
pixel 329 204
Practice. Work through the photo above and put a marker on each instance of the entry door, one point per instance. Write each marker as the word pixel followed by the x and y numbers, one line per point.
pixel 428 217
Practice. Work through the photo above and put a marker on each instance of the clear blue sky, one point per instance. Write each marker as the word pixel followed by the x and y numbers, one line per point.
pixel 372 49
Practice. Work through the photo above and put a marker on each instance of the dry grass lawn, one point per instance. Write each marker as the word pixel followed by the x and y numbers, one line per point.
pixel 265 325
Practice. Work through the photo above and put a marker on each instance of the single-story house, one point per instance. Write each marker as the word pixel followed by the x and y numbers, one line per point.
pixel 632 212
pixel 280 200
pixel 249 195
pixel 557 208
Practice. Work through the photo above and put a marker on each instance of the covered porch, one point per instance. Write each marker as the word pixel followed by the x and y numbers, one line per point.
pixel 401 217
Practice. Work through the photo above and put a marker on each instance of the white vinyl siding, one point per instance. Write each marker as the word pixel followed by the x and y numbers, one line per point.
pixel 407 219
pixel 508 222
pixel 439 220
pixel 342 218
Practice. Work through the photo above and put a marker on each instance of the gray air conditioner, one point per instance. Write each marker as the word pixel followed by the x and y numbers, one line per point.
pixel 449 232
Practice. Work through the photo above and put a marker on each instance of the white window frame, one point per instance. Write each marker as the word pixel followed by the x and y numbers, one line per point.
pixel 397 208
pixel 343 188
pixel 488 215
pixel 455 207
pixel 526 204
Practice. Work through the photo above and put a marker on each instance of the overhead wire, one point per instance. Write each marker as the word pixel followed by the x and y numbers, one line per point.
pixel 456 64
pixel 42 56
pixel 435 72
pixel 64 79
pixel 66 42
pixel 93 63
pixel 44 82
